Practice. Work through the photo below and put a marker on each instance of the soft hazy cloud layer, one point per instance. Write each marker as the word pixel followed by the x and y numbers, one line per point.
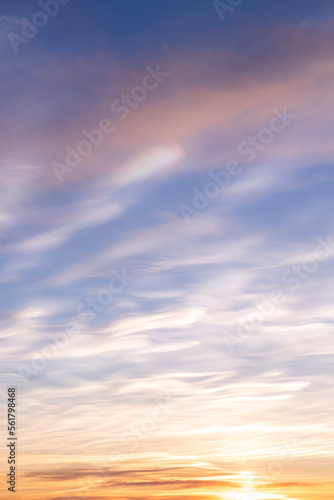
pixel 167 307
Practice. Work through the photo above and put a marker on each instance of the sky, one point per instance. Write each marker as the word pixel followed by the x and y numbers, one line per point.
pixel 167 247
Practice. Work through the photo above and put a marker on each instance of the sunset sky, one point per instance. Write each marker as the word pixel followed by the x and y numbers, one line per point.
pixel 167 246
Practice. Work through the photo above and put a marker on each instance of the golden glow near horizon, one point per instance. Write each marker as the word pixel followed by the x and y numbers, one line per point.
pixel 248 489
pixel 167 248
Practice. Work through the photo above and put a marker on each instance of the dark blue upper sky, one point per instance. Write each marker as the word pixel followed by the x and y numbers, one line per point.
pixel 193 158
pixel 131 27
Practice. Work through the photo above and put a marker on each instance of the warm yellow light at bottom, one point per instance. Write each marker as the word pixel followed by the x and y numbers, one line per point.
pixel 247 495
pixel 247 491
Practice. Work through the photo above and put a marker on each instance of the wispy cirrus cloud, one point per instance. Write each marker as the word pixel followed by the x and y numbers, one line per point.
pixel 163 337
